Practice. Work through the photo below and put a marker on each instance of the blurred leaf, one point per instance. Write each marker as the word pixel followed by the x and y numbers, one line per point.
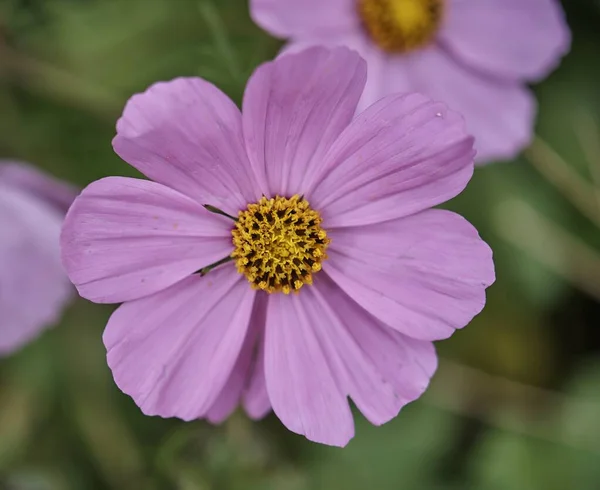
pixel 234 456
pixel 36 479
pixel 399 454
pixel 506 461
pixel 580 417
pixel 105 433
pixel 67 69
pixel 25 400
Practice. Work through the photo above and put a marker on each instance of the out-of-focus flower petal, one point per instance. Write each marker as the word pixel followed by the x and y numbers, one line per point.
pixel 511 39
pixel 293 18
pixel 499 114
pixel 33 285
pixel 22 176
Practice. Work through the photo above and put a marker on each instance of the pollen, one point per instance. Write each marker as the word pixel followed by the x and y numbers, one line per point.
pixel 279 244
pixel 399 26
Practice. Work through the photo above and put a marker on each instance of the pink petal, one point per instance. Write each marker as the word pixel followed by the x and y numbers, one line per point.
pixel 255 397
pixel 291 18
pixel 28 179
pixel 424 275
pixel 402 155
pixel 128 238
pixel 33 286
pixel 173 352
pixel 512 39
pixel 187 134
pixel 499 114
pixel 294 109
pixel 245 375
pixel 379 368
pixel 356 40
pixel 301 383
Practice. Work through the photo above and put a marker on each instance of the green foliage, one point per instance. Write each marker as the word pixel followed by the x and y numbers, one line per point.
pixel 66 69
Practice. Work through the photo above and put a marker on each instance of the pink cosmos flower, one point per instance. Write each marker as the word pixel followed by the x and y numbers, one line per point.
pixel 285 256
pixel 475 55
pixel 33 285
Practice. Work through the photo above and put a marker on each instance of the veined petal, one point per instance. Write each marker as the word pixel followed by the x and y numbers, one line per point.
pixel 128 238
pixel 511 39
pixel 255 397
pixel 358 41
pixel 248 373
pixel 33 286
pixel 402 155
pixel 173 352
pixel 187 135
pixel 424 275
pixel 294 109
pixel 323 347
pixel 379 368
pixel 302 387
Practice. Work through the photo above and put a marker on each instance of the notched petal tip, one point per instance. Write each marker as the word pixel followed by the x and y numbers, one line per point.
pixel 187 135
pixel 438 269
pixel 294 109
pixel 336 439
pixel 162 88
pixel 126 238
pixel 403 154
pixel 181 371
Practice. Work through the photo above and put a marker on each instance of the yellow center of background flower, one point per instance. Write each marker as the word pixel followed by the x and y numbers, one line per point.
pixel 279 244
pixel 399 26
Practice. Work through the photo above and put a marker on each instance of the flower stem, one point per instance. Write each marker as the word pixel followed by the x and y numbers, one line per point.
pixel 575 188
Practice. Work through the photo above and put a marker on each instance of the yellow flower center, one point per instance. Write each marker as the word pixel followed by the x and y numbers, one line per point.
pixel 279 244
pixel 399 26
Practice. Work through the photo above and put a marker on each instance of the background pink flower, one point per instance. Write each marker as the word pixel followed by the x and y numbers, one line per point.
pixel 33 286
pixel 475 55
pixel 399 275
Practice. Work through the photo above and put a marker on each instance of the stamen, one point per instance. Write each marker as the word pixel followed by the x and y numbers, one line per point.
pixel 215 210
pixel 214 265
pixel 399 26
pixel 279 244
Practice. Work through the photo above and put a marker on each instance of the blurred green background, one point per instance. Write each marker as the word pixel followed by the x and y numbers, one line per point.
pixel 515 404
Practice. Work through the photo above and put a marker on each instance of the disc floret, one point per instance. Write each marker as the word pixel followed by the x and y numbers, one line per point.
pixel 279 243
pixel 399 26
